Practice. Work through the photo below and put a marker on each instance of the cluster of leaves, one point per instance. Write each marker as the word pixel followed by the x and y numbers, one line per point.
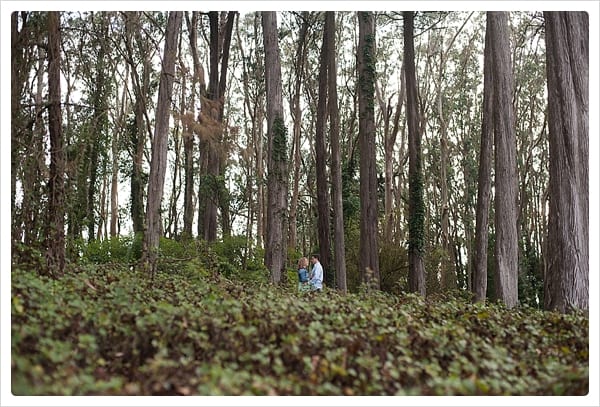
pixel 107 330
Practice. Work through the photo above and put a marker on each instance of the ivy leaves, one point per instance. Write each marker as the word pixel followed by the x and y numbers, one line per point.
pixel 197 333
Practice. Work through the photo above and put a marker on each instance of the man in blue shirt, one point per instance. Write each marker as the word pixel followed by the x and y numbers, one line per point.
pixel 316 280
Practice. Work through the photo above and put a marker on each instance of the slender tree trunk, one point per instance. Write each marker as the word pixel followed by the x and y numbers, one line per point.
pixel 389 142
pixel 33 165
pixel 219 51
pixel 188 135
pixel 158 165
pixel 55 236
pixel 99 124
pixel 224 196
pixel 209 216
pixel 369 259
pixel 249 116
pixel 114 202
pixel 21 221
pixel 103 203
pixel 506 249
pixel 276 248
pixel 137 134
pixel 566 286
pixel 416 207
pixel 323 206
pixel 336 157
pixel 297 117
pixel 484 185
pixel 258 142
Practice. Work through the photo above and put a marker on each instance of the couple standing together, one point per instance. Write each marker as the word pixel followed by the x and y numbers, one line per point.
pixel 312 281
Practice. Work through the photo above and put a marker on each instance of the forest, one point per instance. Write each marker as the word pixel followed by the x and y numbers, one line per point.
pixel 169 170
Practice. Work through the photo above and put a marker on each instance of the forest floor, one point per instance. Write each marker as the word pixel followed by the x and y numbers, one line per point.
pixel 106 330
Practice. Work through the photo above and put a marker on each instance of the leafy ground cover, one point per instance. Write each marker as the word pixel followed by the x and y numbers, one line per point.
pixel 106 330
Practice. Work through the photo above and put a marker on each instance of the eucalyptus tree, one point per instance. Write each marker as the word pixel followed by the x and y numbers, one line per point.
pixel 390 91
pixel 369 258
pixel 321 159
pixel 277 155
pixel 506 248
pixel 248 48
pixel 27 127
pixel 138 53
pixel 158 164
pixel 448 274
pixel 296 113
pixel 532 151
pixel 55 233
pixel 212 187
pixel 94 148
pixel 416 210
pixel 336 164
pixel 122 102
pixel 484 182
pixel 198 90
pixel 566 287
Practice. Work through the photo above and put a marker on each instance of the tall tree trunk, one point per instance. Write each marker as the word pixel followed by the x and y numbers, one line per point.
pixel 276 248
pixel 389 142
pixel 188 135
pixel 55 235
pixel 416 206
pixel 99 125
pixel 249 117
pixel 506 249
pixel 224 195
pixel 566 286
pixel 114 201
pixel 33 165
pixel 484 184
pixel 220 40
pixel 137 133
pixel 448 271
pixel 158 164
pixel 323 206
pixel 210 205
pixel 369 259
pixel 297 118
pixel 258 142
pixel 19 74
pixel 336 157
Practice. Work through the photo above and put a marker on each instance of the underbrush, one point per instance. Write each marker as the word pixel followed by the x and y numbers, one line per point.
pixel 108 330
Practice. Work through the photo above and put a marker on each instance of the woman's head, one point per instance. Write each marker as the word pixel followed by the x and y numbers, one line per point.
pixel 303 262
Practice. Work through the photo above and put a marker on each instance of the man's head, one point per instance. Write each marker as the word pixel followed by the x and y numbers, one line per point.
pixel 314 258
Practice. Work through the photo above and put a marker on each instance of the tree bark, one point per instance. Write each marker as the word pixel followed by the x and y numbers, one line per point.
pixel 484 184
pixel 566 284
pixel 323 205
pixel 506 249
pixel 158 164
pixel 220 39
pixel 297 123
pixel 369 259
pixel 416 206
pixel 114 202
pixel 336 158
pixel 137 133
pixel 276 247
pixel 188 135
pixel 259 109
pixel 55 236
pixel 99 126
